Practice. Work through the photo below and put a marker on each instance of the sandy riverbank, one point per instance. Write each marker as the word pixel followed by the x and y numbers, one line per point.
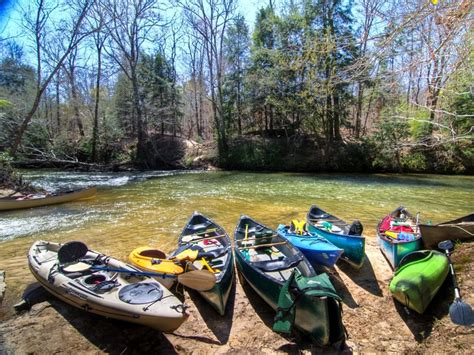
pixel 374 322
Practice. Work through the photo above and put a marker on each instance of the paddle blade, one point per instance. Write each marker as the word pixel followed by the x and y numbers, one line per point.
pixel 446 245
pixel 461 313
pixel 199 280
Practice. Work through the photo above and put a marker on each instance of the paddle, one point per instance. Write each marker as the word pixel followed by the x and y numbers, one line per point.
pixel 199 280
pixel 460 312
pixel 253 238
pixel 261 245
pixel 189 239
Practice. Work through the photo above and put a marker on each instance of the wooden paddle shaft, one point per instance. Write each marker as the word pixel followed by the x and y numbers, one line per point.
pixel 261 245
pixel 244 240
pixel 206 231
pixel 207 238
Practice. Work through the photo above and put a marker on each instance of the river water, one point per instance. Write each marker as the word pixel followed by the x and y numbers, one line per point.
pixel 134 209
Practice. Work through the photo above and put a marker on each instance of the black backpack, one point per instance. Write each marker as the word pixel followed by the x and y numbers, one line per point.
pixel 356 228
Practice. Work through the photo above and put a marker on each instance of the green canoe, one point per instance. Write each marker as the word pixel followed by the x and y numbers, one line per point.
pixel 418 278
pixel 202 232
pixel 286 281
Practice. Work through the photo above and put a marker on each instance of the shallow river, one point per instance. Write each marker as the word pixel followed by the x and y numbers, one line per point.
pixel 151 208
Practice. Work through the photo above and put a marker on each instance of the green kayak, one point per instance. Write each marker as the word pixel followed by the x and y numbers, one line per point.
pixel 418 277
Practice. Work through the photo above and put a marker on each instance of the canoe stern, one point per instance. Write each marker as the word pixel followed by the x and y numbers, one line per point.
pixel 353 245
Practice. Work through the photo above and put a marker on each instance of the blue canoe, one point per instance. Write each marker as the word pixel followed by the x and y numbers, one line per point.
pixel 339 233
pixel 317 250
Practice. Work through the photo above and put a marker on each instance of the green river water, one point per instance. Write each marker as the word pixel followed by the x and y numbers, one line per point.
pixel 137 209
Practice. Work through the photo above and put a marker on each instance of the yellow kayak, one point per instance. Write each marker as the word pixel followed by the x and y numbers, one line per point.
pixel 153 260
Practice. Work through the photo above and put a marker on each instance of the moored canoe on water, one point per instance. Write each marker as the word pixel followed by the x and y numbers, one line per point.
pixel 343 235
pixel 285 279
pixel 215 254
pixel 460 229
pixel 418 278
pixel 103 285
pixel 318 250
pixel 12 203
pixel 398 235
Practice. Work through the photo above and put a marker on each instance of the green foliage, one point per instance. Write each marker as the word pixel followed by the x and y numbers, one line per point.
pixel 352 157
pixel 6 170
pixel 415 161
pixel 420 125
pixel 9 178
pixel 5 103
pixel 16 93
pixel 123 104
pixel 237 55
pixel 255 155
pixel 388 143
pixel 159 94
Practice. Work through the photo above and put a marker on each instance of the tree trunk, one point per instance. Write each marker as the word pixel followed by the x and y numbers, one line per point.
pixel 141 156
pixel 95 130
pixel 58 117
pixel 75 104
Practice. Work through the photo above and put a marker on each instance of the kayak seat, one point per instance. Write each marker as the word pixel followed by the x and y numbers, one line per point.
pixel 153 253
pixel 277 265
pixel 199 226
pixel 72 252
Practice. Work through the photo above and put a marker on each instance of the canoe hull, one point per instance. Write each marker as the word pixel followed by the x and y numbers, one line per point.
pixel 417 282
pixel 317 317
pixel 199 224
pixel 317 250
pixel 392 248
pixel 352 244
pixel 394 251
pixel 461 230
pixel 218 296
pixel 12 204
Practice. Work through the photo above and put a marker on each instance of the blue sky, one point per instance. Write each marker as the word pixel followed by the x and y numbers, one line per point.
pixel 5 9
pixel 10 13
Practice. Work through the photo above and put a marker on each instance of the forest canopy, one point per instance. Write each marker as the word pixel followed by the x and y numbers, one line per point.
pixel 310 85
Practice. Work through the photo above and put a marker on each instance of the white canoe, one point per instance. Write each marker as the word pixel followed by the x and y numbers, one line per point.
pixel 70 272
pixel 8 203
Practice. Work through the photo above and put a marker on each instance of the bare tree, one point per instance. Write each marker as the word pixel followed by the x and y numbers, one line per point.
pixel 37 19
pixel 209 19
pixel 370 9
pixel 130 23
pixel 195 58
pixel 70 68
pixel 96 20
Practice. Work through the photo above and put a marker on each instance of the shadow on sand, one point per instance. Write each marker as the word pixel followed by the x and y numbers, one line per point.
pixel 108 335
pixel 365 277
pixel 421 325
pixel 340 287
pixel 297 341
pixel 219 325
